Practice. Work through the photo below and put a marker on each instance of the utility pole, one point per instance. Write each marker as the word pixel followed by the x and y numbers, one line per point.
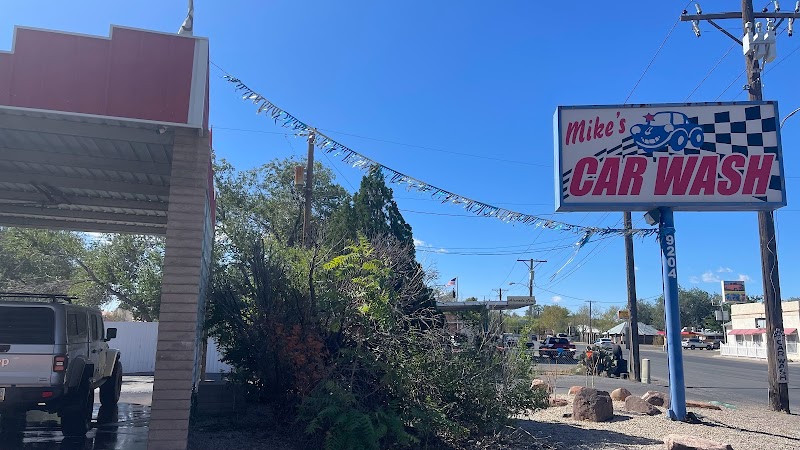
pixel 530 263
pixel 308 191
pixel 633 318
pixel 778 388
pixel 591 330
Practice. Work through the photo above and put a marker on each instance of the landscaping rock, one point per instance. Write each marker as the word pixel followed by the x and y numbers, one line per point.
pixel 575 389
pixel 538 384
pixel 620 394
pixel 637 405
pixel 656 398
pixel 590 404
pixel 558 402
pixel 684 442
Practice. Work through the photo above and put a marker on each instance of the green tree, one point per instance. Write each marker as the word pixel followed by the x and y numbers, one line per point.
pixel 33 260
pixel 125 268
pixel 553 319
pixel 376 212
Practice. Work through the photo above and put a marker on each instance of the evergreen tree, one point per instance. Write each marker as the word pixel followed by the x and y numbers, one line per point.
pixel 376 212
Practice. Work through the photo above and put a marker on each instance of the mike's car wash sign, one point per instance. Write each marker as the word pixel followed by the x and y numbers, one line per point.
pixel 691 157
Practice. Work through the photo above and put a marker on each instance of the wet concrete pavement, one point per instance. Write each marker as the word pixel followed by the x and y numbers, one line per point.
pixel 122 428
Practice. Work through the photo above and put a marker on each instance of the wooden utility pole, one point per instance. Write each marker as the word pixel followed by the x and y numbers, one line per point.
pixel 633 318
pixel 591 330
pixel 778 392
pixel 776 355
pixel 308 191
pixel 530 263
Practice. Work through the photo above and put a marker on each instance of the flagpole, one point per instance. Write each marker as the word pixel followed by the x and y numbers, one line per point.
pixel 456 288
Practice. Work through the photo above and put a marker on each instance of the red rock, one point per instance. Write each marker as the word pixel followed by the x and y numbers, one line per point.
pixel 591 405
pixel 575 389
pixel 620 394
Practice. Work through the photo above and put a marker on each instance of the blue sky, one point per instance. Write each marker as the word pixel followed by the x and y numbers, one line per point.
pixel 470 88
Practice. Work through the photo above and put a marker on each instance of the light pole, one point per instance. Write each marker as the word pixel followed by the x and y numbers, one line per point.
pixel 789 115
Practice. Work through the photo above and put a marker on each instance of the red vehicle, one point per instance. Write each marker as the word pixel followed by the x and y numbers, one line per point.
pixel 555 347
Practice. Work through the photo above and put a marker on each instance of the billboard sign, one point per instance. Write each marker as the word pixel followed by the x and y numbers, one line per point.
pixel 691 157
pixel 733 292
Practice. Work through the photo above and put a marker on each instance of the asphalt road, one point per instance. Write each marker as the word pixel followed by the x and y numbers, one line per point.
pixel 710 377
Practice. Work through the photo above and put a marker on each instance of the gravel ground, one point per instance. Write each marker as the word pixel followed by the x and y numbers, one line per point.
pixel 748 428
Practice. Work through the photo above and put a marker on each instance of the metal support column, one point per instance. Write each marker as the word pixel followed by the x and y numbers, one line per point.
pixel 669 270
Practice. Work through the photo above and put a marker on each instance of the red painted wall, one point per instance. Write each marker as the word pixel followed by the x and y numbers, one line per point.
pixel 135 74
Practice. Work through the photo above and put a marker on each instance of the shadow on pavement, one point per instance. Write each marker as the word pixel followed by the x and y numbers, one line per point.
pixel 124 427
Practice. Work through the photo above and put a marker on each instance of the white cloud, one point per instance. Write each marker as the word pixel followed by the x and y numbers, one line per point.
pixel 635 268
pixel 419 243
pixel 694 279
pixel 743 277
pixel 724 270
pixel 556 298
pixel 709 277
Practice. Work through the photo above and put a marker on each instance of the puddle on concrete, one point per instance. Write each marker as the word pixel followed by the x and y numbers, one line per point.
pixel 124 427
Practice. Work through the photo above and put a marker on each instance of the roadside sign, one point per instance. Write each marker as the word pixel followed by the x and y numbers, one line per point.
pixel 733 292
pixel 522 300
pixel 689 157
pixel 623 314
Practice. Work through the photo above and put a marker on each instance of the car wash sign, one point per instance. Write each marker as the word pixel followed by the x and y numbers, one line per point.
pixel 691 157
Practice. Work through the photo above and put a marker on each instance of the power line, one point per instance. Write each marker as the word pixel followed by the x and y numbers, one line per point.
pixel 471 155
pixel 654 56
pixel 710 72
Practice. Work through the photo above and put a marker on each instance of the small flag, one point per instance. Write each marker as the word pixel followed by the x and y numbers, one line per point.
pixel 451 282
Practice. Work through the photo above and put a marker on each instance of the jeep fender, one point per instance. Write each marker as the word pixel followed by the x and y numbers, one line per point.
pixel 112 356
pixel 78 369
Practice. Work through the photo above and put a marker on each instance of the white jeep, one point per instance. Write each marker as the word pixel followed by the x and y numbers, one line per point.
pixel 53 355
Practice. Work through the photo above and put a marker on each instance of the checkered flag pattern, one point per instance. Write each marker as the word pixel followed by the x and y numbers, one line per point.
pixel 749 131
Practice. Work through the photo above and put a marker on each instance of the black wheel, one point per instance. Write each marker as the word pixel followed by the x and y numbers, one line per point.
pixel 110 390
pixel 76 419
pixel 692 347
pixel 12 421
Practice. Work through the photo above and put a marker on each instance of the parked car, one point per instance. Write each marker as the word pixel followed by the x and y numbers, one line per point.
pixel 554 347
pixel 53 355
pixel 606 343
pixel 693 343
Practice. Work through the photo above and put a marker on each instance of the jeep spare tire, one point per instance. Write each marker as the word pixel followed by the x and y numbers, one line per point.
pixel 110 390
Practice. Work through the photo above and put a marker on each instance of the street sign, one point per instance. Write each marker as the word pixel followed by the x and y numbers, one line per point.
pixel 623 314
pixel 689 157
pixel 523 300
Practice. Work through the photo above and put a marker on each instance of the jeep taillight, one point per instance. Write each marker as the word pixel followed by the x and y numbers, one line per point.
pixel 60 363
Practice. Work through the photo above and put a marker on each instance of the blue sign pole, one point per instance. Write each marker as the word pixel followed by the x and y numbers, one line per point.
pixel 669 271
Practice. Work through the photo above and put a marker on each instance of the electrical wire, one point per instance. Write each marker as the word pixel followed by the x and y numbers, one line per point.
pixel 710 72
pixel 470 155
pixel 660 47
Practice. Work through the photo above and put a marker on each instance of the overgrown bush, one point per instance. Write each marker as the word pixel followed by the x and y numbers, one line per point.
pixel 338 342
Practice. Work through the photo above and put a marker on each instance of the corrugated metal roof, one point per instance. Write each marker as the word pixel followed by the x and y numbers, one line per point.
pixel 81 172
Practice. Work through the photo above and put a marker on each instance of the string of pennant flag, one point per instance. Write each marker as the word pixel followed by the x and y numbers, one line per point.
pixel 358 160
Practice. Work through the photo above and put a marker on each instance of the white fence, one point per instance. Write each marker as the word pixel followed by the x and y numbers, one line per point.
pixel 753 350
pixel 137 343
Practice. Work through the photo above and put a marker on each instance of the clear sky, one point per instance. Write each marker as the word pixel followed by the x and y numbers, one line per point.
pixel 461 95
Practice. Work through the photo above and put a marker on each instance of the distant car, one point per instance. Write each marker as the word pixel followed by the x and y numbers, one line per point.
pixel 554 347
pixel 563 335
pixel 604 343
pixel 667 128
pixel 693 343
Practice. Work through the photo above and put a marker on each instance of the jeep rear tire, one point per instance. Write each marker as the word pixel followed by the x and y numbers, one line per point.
pixel 76 419
pixel 110 390
pixel 12 421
